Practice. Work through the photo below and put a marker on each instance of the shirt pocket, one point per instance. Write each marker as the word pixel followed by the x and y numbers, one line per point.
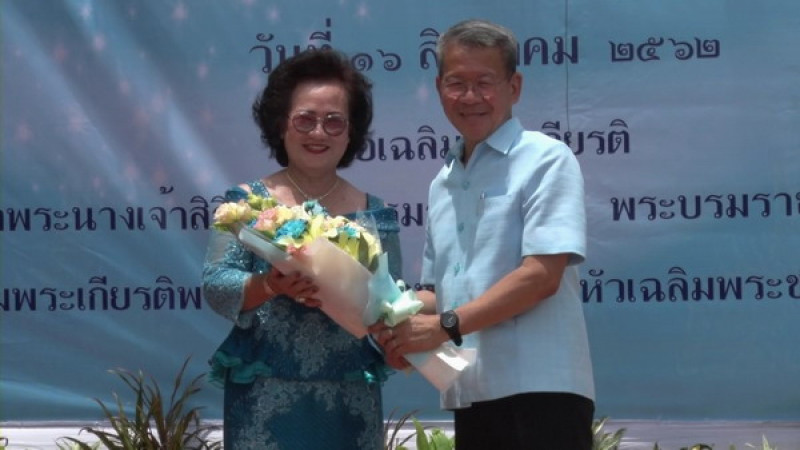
pixel 498 225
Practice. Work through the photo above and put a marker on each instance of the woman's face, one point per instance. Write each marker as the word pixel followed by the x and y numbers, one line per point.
pixel 317 149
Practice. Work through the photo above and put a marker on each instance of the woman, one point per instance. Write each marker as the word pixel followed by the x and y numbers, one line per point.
pixel 293 379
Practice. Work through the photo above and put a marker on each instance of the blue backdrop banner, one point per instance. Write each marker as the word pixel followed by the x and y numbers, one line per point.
pixel 123 122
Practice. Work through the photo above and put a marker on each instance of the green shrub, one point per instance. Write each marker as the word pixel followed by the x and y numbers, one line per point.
pixel 392 427
pixel 436 440
pixel 605 441
pixel 426 439
pixel 156 423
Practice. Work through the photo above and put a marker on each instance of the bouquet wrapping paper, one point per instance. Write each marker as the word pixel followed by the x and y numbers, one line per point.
pixel 343 282
pixel 355 298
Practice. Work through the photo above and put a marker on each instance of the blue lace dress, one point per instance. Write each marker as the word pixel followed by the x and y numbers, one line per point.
pixel 293 378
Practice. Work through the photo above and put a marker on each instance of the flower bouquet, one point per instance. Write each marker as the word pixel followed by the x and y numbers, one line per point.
pixel 345 261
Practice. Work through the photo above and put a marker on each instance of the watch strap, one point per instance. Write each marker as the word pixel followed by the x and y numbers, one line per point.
pixel 449 322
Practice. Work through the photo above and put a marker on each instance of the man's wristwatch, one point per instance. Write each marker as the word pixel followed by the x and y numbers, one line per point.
pixel 449 322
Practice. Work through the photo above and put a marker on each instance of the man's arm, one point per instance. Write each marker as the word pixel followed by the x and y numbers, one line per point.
pixel 536 279
pixel 428 298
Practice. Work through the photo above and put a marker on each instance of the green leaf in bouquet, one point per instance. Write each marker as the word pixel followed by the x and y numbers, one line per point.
pixel 367 252
pixel 349 245
pixel 260 203
pixel 369 242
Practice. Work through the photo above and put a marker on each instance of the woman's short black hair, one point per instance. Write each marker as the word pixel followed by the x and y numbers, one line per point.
pixel 271 107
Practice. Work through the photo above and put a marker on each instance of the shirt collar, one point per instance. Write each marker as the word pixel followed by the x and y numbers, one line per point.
pixel 501 140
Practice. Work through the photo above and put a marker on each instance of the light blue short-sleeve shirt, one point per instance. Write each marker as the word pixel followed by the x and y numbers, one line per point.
pixel 520 194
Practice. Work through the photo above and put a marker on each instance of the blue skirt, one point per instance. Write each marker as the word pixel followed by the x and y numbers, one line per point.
pixel 274 414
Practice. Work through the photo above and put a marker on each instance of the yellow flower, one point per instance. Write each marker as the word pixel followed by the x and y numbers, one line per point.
pixel 297 226
pixel 318 226
pixel 231 213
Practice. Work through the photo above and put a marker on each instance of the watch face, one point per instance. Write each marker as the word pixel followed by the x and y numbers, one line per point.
pixel 449 320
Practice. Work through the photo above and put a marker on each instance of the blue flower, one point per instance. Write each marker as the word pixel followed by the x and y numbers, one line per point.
pixel 236 193
pixel 313 208
pixel 293 228
pixel 348 230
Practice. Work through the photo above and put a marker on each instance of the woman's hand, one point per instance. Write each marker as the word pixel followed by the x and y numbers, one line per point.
pixel 295 285
pixel 385 336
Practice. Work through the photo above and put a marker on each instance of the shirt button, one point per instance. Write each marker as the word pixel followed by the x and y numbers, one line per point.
pixel 465 185
pixel 460 227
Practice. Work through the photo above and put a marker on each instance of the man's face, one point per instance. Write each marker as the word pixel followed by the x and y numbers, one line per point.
pixel 476 91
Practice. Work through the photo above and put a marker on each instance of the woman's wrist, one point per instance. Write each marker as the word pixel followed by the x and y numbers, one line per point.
pixel 268 291
pixel 256 291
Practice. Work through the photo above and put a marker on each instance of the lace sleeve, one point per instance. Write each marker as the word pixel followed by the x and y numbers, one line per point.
pixel 226 268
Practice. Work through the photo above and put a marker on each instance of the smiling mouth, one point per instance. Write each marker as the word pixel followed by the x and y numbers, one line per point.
pixel 470 115
pixel 315 148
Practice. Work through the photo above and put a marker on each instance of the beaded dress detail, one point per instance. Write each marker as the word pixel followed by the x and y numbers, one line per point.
pixel 293 378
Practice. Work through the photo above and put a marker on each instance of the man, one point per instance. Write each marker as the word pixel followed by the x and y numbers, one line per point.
pixel 505 231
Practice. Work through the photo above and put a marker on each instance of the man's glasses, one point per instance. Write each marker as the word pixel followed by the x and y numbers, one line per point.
pixel 456 88
pixel 333 124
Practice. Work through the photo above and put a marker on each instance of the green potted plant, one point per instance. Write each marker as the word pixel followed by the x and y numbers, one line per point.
pixel 155 423
pixel 605 441
pixel 426 439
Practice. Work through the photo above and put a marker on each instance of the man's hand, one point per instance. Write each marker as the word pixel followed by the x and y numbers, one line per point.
pixel 418 333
